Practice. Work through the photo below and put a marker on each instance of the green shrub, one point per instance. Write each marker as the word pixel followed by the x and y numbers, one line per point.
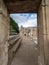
pixel 13 26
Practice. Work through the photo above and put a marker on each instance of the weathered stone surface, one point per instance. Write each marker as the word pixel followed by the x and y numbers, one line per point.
pixel 47 31
pixel 43 34
pixel 4 32
pixel 13 47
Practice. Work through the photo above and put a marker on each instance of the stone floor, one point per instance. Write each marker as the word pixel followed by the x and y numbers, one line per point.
pixel 27 53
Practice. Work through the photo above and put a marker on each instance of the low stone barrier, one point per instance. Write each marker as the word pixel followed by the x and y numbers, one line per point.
pixel 14 44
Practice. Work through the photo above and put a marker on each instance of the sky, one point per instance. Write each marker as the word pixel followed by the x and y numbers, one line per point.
pixel 25 19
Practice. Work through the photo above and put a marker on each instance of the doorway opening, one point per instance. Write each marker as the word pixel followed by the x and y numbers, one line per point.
pixel 26 24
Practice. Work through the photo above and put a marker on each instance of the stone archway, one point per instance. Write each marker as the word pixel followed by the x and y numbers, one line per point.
pixel 43 32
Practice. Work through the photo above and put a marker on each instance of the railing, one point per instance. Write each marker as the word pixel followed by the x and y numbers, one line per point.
pixel 14 44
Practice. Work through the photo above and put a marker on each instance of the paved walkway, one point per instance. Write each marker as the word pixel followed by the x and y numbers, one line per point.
pixel 27 53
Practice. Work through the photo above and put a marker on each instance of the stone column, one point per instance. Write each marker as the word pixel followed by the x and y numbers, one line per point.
pixel 40 36
pixel 4 33
pixel 47 31
pixel 43 32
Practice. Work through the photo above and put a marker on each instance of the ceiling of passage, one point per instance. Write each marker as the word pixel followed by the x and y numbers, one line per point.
pixel 22 6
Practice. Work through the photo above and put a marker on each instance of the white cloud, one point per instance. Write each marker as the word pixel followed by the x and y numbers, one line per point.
pixel 29 23
pixel 26 20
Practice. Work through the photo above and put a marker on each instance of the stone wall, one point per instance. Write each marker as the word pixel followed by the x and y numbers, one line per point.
pixel 4 33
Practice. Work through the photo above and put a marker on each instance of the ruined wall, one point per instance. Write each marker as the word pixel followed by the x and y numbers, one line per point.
pixel 33 32
pixel 4 33
pixel 29 31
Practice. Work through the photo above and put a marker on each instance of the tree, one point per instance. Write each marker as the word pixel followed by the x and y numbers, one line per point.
pixel 13 26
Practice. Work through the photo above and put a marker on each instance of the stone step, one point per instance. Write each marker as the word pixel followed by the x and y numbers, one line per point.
pixel 13 50
pixel 13 42
pixel 12 39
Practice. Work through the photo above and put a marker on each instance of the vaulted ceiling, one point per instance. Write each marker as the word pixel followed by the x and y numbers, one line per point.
pixel 22 6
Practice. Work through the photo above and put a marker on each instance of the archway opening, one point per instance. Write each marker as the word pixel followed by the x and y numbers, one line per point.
pixel 27 23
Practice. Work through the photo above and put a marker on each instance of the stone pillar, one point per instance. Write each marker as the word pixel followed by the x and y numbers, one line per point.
pixel 4 33
pixel 43 32
pixel 47 31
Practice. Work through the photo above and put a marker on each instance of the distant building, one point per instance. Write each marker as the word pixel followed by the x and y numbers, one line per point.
pixel 28 31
